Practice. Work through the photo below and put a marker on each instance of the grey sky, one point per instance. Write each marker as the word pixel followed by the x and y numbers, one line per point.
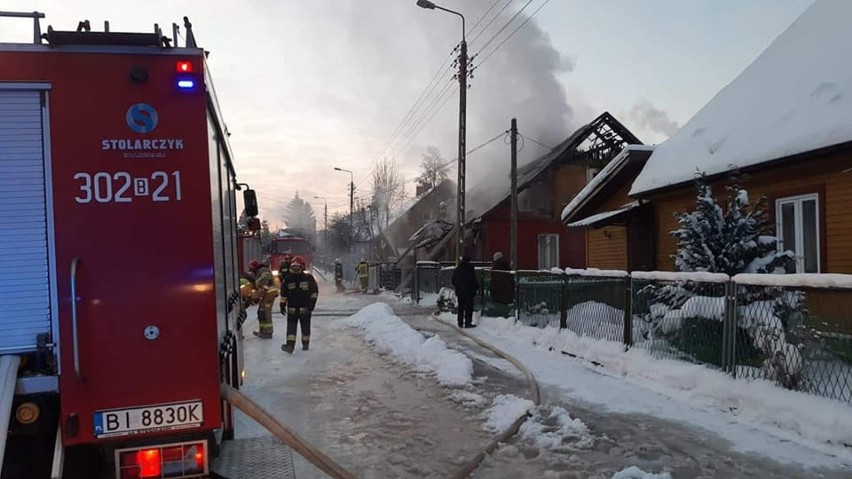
pixel 309 85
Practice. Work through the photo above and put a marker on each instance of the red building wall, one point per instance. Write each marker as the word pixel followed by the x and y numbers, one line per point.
pixel 496 231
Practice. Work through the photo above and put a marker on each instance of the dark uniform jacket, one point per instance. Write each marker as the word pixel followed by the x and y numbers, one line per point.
pixel 502 283
pixel 464 280
pixel 300 290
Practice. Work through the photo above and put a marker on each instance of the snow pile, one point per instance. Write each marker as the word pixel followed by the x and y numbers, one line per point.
pixel 634 472
pixel 600 320
pixel 793 98
pixel 390 334
pixel 557 431
pixel 756 402
pixel 429 299
pixel 505 410
pixel 467 398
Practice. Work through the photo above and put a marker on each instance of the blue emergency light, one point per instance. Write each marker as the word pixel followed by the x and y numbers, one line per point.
pixel 186 84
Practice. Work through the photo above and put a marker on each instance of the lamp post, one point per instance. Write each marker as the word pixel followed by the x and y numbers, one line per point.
pixel 324 220
pixel 351 207
pixel 462 77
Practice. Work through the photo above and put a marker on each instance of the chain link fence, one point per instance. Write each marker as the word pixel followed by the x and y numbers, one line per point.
pixel 539 298
pixel 797 334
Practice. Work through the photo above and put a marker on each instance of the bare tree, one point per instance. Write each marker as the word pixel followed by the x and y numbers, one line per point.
pixel 433 169
pixel 388 188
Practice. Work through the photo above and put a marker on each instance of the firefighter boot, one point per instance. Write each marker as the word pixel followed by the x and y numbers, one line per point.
pixel 305 344
pixel 289 346
pixel 264 320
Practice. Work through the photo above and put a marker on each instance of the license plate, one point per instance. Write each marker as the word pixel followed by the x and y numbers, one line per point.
pixel 163 417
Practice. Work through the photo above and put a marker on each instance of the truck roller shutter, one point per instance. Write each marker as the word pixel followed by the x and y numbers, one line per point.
pixel 25 306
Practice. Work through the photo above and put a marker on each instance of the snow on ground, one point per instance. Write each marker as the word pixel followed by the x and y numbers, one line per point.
pixel 556 430
pixel 634 472
pixel 428 300
pixel 390 334
pixel 756 416
pixel 505 410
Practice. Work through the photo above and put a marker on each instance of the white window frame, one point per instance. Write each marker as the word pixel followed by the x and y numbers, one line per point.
pixel 799 225
pixel 554 237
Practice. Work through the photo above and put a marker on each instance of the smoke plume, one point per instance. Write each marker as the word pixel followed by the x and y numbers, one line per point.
pixel 647 116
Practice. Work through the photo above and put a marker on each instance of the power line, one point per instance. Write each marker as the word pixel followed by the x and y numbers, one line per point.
pixel 405 124
pixel 535 141
pixel 511 34
pixel 490 22
pixel 483 145
pixel 506 25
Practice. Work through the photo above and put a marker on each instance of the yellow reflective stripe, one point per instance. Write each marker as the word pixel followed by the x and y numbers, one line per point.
pixel 305 339
pixel 291 337
pixel 313 296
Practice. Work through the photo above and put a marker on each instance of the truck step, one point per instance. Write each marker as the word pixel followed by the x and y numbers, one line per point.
pixel 253 458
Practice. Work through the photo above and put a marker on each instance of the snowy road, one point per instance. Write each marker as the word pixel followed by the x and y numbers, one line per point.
pixel 381 420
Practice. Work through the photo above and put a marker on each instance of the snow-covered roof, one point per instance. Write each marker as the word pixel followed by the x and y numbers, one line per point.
pixel 592 220
pixel 795 97
pixel 601 178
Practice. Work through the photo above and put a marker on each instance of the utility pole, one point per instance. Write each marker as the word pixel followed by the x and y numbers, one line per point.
pixel 514 228
pixel 462 77
pixel 462 147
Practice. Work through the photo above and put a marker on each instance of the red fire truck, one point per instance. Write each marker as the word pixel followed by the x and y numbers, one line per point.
pixel 114 160
pixel 291 245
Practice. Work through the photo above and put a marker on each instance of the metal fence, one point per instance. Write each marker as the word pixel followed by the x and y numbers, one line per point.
pixel 798 334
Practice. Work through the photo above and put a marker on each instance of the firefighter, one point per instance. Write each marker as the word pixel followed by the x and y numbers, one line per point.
pixel 300 291
pixel 338 275
pixel 264 284
pixel 363 274
pixel 283 272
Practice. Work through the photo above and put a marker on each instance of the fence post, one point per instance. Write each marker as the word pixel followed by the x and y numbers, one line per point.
pixel 628 312
pixel 729 329
pixel 416 289
pixel 563 303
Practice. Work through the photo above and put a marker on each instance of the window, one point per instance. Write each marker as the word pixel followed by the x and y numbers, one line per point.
pixel 548 251
pixel 535 199
pixel 798 231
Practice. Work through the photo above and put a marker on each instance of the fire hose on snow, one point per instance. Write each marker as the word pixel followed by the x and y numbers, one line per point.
pixel 284 434
pixel 467 469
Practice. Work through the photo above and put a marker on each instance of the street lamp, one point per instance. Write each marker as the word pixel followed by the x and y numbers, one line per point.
pixel 351 206
pixel 324 220
pixel 462 76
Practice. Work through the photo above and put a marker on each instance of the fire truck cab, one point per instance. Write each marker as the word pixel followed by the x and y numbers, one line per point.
pixel 119 267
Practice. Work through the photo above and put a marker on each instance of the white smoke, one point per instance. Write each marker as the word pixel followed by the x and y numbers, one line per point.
pixel 647 116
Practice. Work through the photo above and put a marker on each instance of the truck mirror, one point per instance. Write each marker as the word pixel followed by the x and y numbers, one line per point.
pixel 253 224
pixel 250 201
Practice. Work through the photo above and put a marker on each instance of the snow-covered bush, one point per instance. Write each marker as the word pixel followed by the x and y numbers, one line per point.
pixel 447 301
pixel 729 238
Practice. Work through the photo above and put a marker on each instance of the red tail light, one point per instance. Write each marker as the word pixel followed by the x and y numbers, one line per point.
pixel 167 461
pixel 149 463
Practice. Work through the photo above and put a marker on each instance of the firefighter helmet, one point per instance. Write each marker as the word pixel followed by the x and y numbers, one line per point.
pixel 298 260
pixel 254 265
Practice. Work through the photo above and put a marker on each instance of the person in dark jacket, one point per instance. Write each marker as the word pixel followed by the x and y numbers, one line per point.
pixel 500 263
pixel 502 286
pixel 283 272
pixel 466 286
pixel 338 275
pixel 300 291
